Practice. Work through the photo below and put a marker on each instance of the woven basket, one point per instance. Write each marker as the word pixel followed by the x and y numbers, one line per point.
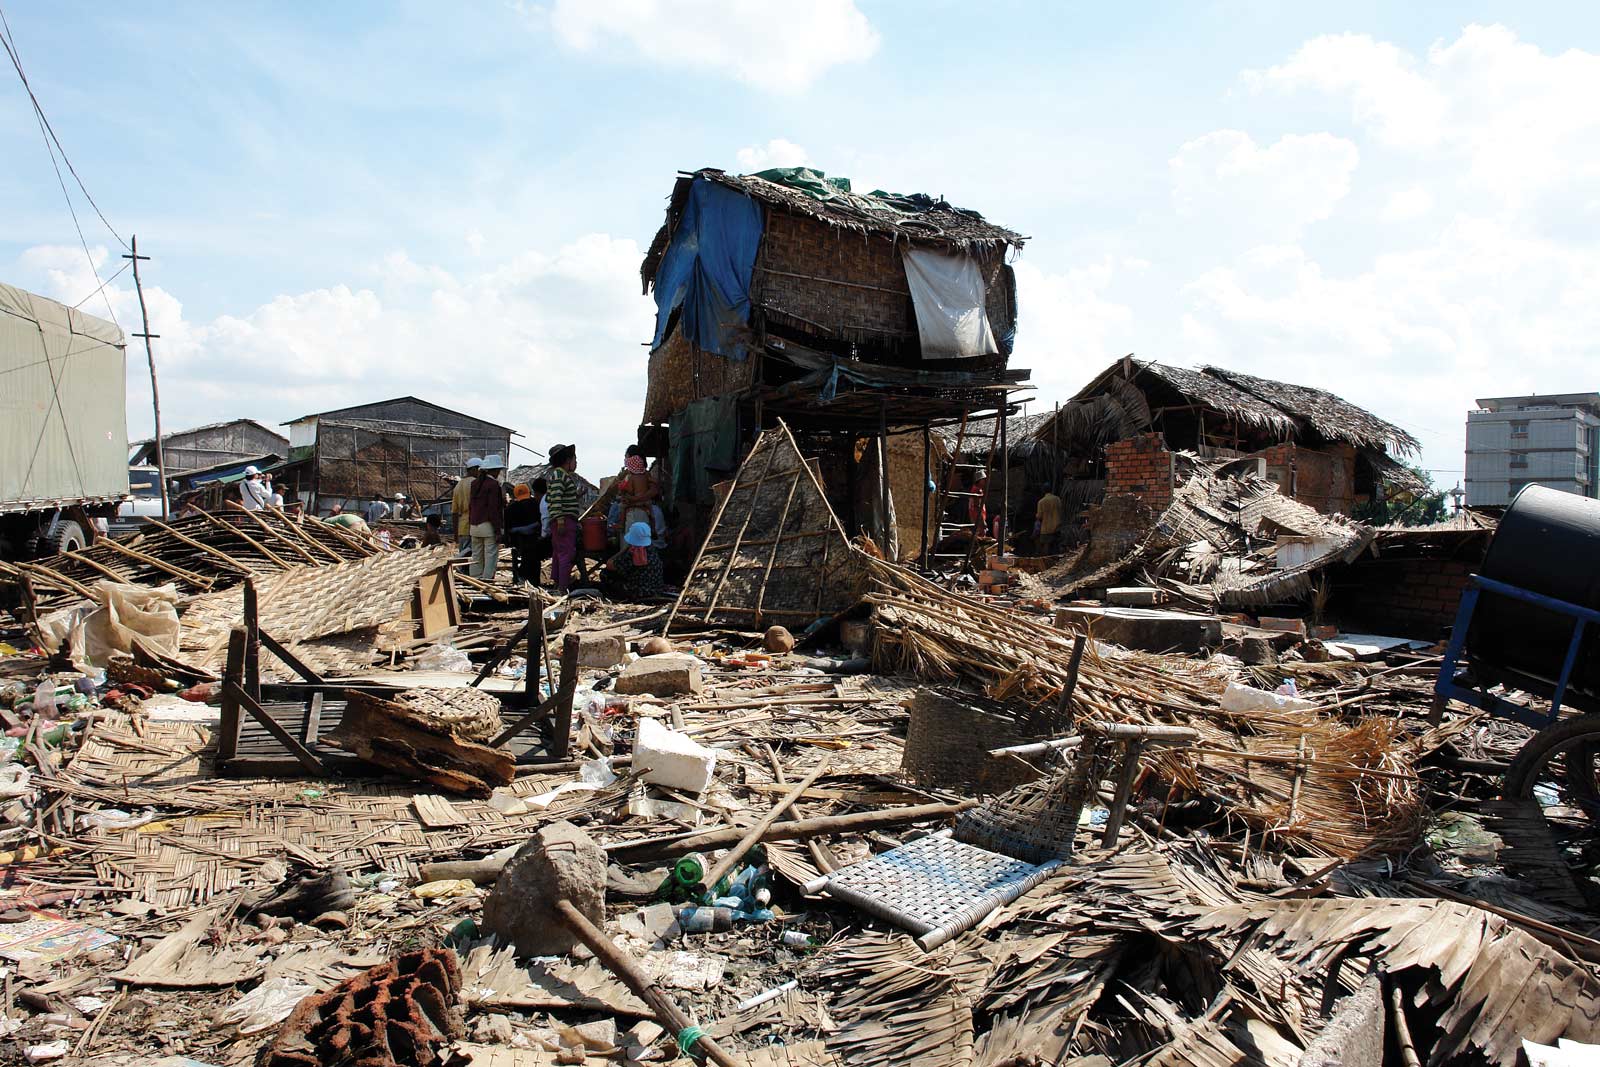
pixel 468 713
pixel 948 734
pixel 1037 820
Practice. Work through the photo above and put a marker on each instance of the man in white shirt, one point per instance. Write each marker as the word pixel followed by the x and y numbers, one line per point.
pixel 377 511
pixel 253 492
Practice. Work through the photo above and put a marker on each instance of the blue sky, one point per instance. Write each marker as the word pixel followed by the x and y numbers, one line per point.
pixel 357 200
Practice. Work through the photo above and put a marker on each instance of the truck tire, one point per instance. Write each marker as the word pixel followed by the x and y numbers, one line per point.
pixel 68 536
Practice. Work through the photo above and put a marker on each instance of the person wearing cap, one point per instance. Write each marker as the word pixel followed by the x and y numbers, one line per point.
pixel 562 497
pixel 402 510
pixel 486 519
pixel 634 573
pixel 253 492
pixel 460 500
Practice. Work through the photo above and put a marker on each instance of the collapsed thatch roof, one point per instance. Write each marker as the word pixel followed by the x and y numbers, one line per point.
pixel 980 432
pixel 1279 409
pixel 917 219
pixel 1331 416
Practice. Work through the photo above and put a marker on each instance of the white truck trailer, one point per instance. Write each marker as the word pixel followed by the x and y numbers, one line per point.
pixel 63 424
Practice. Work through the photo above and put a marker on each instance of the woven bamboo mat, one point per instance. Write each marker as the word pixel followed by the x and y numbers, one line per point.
pixel 308 603
pixel 210 836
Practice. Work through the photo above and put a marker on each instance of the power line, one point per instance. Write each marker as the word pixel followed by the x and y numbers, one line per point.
pixel 102 286
pixel 11 46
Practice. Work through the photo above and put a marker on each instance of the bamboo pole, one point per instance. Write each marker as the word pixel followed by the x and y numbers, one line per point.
pixel 736 853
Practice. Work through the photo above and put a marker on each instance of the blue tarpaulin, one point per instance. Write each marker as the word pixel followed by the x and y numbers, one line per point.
pixel 706 269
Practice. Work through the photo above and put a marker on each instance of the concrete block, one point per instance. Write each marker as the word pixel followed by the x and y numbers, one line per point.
pixel 663 756
pixel 1132 596
pixel 672 674
pixel 1150 629
pixel 601 650
pixel 1286 626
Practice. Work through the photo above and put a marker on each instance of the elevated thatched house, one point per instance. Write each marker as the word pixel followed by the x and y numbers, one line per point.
pixel 786 295
pixel 1118 433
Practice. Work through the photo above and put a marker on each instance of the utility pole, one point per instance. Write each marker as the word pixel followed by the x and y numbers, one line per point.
pixel 155 392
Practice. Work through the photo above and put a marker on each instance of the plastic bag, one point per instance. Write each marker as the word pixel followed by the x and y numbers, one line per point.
pixel 1247 698
pixel 444 657
pixel 124 614
pixel 265 1006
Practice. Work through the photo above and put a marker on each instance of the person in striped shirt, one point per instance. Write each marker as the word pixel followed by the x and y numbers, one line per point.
pixel 561 496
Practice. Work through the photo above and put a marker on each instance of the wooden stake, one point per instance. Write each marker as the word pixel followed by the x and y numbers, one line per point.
pixel 155 389
pixel 618 963
pixel 736 853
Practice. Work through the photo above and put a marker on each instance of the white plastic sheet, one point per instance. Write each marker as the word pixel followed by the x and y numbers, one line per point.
pixel 947 292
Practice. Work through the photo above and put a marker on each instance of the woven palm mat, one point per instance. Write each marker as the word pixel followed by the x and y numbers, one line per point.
pixel 307 603
pixel 469 713
pixel 210 835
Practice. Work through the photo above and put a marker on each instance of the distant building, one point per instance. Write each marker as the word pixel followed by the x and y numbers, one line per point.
pixel 404 445
pixel 217 444
pixel 1513 441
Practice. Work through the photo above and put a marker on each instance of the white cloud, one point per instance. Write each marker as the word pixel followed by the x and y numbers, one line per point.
pixel 779 47
pixel 548 343
pixel 1069 326
pixel 1518 121
pixel 1260 193
pixel 1496 143
pixel 1384 88
pixel 775 153
pixel 1407 204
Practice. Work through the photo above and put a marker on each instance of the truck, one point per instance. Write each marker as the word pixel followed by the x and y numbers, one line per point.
pixel 63 425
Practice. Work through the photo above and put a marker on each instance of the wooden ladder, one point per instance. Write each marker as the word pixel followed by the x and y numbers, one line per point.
pixel 943 526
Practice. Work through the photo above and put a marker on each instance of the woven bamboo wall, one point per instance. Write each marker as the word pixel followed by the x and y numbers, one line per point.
pixel 679 374
pixel 906 482
pixel 777 553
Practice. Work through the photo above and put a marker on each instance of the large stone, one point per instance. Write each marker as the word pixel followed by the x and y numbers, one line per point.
pixel 663 676
pixel 1257 652
pixel 560 862
pixel 1150 629
pixel 777 639
pixel 597 649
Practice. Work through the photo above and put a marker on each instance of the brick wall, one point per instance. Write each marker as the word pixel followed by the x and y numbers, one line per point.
pixel 1322 479
pixel 1400 596
pixel 1142 467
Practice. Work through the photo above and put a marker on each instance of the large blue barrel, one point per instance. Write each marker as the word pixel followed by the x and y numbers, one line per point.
pixel 1547 542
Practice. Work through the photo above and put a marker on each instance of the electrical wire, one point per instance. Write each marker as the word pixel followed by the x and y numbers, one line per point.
pixel 9 42
pixel 105 283
pixel 11 49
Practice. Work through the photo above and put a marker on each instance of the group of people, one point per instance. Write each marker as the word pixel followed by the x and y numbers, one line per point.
pixel 538 520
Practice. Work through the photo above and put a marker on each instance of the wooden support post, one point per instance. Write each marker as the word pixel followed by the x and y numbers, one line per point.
pixel 883 477
pixel 1119 801
pixel 618 963
pixel 228 726
pixel 927 478
pixel 294 663
pixel 1064 705
pixel 530 674
pixel 1005 479
pixel 558 708
pixel 500 654
pixel 150 358
pixel 253 708
pixel 252 644
pixel 313 722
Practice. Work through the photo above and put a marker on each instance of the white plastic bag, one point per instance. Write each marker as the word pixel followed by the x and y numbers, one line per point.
pixel 265 1006
pixel 444 657
pixel 1247 698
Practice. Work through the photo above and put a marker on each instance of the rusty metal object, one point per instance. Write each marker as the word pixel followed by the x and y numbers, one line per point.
pixel 400 1014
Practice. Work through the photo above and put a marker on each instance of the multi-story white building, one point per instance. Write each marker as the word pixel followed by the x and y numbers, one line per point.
pixel 1549 440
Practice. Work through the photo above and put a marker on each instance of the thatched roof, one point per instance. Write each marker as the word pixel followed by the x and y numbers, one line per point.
pixel 917 219
pixel 1280 409
pixel 980 432
pixel 1335 418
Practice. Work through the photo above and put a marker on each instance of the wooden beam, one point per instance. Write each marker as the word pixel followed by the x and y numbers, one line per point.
pixel 300 752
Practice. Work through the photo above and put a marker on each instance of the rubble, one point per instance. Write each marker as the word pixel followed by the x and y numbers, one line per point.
pixel 669 674
pixel 559 863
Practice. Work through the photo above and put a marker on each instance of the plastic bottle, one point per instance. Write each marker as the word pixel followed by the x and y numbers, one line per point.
pixel 798 939
pixel 693 920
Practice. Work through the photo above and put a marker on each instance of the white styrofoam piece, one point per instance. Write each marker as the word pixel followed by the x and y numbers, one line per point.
pixel 663 756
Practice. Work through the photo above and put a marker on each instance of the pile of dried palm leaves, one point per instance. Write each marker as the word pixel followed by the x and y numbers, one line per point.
pixel 1311 778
